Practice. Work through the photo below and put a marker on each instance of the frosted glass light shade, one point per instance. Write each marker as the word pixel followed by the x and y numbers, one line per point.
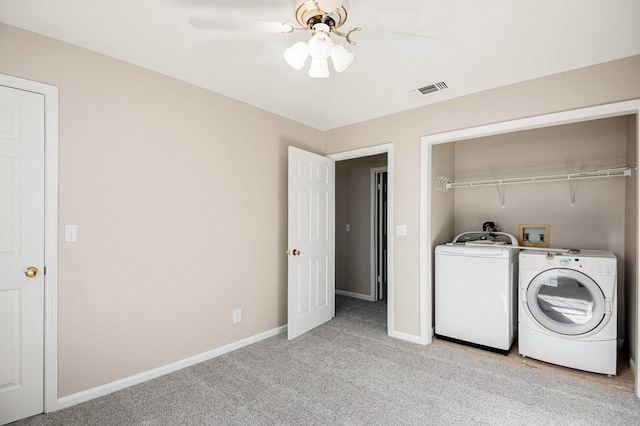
pixel 297 54
pixel 319 68
pixel 341 58
pixel 320 45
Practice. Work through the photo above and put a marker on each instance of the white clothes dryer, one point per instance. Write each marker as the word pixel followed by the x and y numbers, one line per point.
pixel 568 309
pixel 476 290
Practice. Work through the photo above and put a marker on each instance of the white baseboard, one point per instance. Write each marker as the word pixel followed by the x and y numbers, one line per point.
pixel 355 295
pixel 632 364
pixel 407 337
pixel 89 394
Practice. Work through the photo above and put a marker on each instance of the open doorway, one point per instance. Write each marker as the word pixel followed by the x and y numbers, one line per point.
pixel 361 227
pixel 386 149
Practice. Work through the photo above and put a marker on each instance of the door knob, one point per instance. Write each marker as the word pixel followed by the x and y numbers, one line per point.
pixel 31 271
pixel 296 252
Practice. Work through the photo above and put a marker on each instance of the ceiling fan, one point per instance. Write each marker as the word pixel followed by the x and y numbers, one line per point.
pixel 323 18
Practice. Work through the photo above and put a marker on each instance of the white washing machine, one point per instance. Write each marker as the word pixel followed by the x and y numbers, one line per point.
pixel 568 309
pixel 476 289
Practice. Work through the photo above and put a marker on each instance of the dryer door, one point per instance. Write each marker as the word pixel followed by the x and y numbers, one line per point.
pixel 566 301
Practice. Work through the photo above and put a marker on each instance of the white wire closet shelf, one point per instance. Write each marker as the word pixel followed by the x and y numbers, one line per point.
pixel 443 183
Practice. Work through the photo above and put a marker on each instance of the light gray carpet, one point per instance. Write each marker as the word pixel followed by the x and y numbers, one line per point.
pixel 348 372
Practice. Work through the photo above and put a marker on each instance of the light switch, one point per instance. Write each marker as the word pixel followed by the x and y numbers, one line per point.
pixel 401 230
pixel 347 227
pixel 70 233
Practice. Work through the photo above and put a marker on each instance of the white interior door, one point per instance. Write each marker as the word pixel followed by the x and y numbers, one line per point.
pixel 21 254
pixel 311 241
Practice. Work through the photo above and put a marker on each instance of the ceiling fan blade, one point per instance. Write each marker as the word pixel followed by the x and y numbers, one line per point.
pixel 394 42
pixel 241 25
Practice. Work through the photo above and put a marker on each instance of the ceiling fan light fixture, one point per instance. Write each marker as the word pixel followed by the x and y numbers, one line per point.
pixel 320 47
pixel 319 68
pixel 341 57
pixel 297 54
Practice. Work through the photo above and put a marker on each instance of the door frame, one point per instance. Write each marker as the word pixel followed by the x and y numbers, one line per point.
pixel 50 94
pixel 631 107
pixel 365 152
pixel 374 227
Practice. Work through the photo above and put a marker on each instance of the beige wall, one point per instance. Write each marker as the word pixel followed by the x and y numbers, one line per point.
pixel 600 84
pixel 179 195
pixel 596 221
pixel 442 204
pixel 179 198
pixel 353 207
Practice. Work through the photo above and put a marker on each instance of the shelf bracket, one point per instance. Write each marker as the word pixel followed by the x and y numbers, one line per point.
pixel 573 192
pixel 442 183
pixel 501 192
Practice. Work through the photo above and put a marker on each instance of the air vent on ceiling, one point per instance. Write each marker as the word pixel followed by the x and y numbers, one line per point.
pixel 432 88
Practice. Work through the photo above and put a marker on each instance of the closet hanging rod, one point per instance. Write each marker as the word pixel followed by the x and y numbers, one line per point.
pixel 443 183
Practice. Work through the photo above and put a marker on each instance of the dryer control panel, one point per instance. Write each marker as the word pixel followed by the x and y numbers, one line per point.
pixel 592 262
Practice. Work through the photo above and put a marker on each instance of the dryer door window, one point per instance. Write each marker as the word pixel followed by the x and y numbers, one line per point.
pixel 566 301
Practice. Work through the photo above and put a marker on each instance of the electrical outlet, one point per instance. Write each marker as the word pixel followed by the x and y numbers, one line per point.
pixel 237 315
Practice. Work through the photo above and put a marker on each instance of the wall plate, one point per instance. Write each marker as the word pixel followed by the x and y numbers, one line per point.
pixel 533 235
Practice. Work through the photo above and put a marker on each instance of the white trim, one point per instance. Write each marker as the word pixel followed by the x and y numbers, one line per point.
pixel 553 119
pixel 365 152
pixel 374 224
pixel 51 232
pixel 547 120
pixel 426 263
pixel 372 235
pixel 89 394
pixel 353 295
pixel 411 338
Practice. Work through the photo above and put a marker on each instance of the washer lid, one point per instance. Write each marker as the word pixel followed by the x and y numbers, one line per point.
pixel 566 301
pixel 490 238
pixel 489 251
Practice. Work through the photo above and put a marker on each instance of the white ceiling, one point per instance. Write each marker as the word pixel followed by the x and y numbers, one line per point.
pixel 479 45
